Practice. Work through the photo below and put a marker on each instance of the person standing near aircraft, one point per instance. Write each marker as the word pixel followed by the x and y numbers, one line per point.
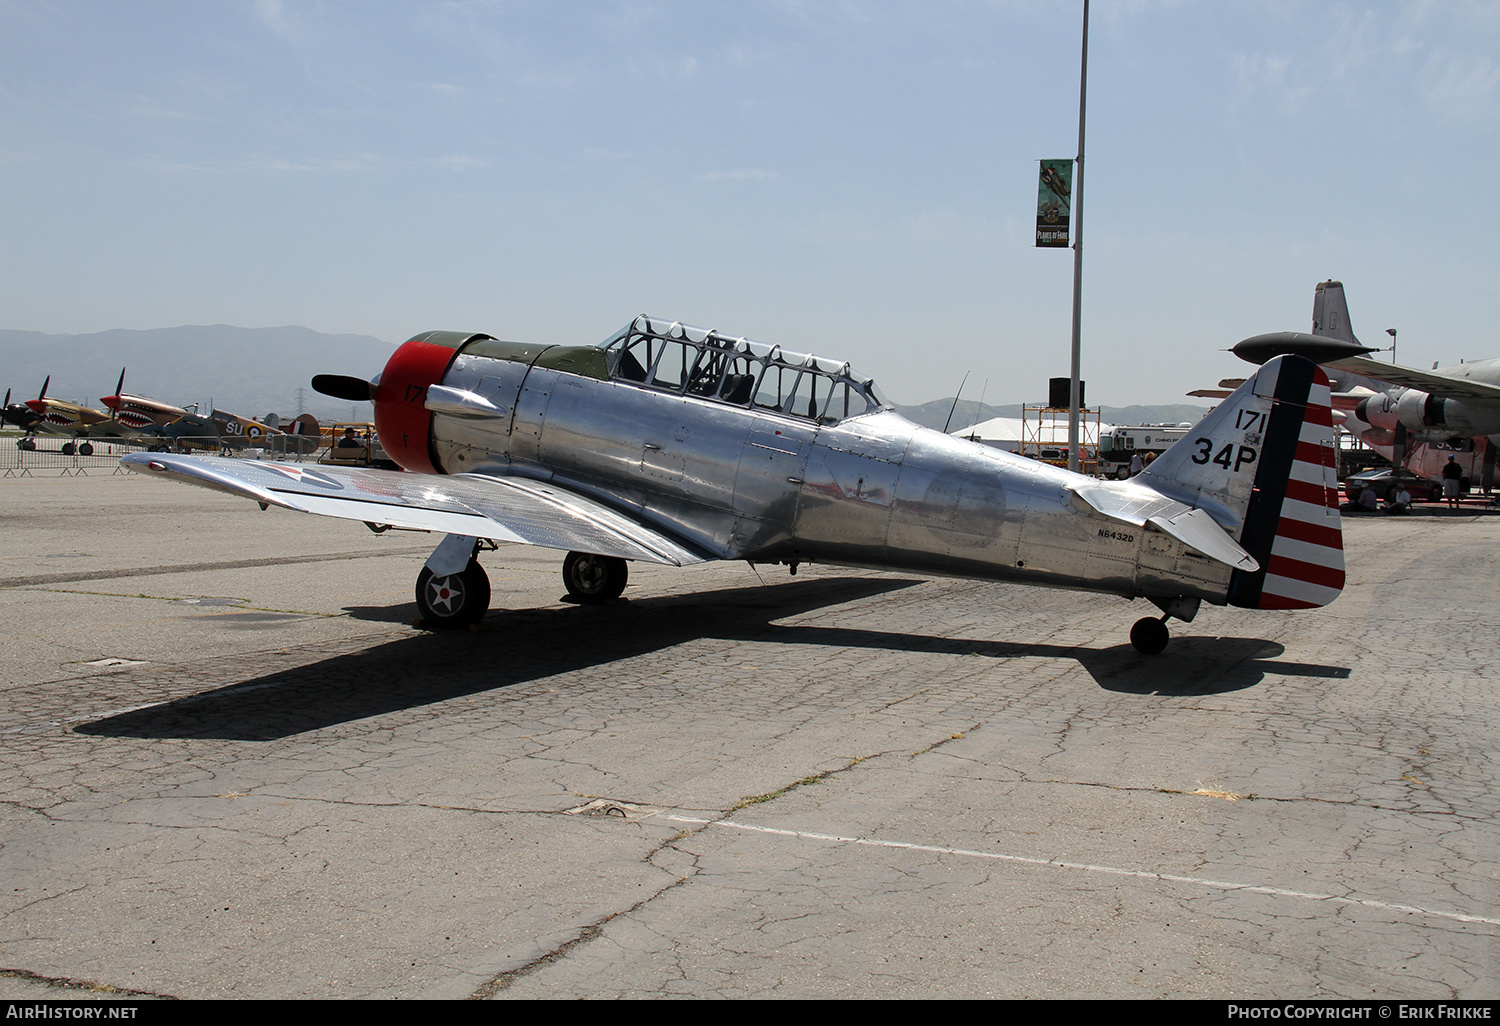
pixel 1137 464
pixel 1452 475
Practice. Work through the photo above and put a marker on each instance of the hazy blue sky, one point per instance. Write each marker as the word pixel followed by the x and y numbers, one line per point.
pixel 856 179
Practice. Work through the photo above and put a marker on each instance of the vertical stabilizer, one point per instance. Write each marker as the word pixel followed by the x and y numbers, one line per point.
pixel 1331 312
pixel 1262 465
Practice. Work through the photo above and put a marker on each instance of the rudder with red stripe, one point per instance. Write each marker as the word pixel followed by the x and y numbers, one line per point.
pixel 1262 464
pixel 1292 525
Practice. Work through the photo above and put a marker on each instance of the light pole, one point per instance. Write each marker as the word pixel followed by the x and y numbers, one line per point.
pixel 1392 332
pixel 1074 398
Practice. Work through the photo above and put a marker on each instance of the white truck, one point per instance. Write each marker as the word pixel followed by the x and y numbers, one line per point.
pixel 1118 445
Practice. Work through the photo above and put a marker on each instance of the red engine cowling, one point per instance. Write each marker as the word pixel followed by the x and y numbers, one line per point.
pixel 402 419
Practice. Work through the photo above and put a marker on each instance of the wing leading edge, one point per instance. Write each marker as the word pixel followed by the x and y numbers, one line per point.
pixel 478 505
pixel 1442 385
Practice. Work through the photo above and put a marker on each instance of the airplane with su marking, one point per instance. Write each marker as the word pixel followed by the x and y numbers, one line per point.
pixel 676 445
pixel 236 432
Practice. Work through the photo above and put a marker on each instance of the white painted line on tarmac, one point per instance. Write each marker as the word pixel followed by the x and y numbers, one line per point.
pixel 1219 885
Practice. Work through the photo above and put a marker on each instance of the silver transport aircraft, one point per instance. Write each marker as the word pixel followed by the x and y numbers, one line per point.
pixel 676 445
pixel 1392 405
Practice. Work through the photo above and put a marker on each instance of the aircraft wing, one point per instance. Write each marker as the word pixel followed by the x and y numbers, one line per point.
pixel 509 509
pixel 1440 385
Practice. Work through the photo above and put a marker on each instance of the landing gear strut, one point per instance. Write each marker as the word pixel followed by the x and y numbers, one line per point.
pixel 1150 635
pixel 591 578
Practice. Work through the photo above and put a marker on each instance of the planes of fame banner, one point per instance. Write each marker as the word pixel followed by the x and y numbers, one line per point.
pixel 1054 203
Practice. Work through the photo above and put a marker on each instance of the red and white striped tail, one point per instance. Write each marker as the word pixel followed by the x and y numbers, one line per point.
pixel 1292 523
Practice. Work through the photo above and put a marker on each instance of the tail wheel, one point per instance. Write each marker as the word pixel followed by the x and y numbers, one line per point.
pixel 591 578
pixel 1149 635
pixel 454 601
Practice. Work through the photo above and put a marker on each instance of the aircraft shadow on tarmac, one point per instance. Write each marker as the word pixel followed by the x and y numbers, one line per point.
pixel 526 645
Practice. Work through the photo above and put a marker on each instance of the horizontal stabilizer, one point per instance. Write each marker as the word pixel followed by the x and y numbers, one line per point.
pixel 1140 507
pixel 1196 528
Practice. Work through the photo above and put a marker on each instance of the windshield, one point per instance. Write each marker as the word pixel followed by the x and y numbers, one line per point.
pixel 678 357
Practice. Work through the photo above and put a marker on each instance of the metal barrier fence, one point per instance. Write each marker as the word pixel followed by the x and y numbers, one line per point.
pixel 50 458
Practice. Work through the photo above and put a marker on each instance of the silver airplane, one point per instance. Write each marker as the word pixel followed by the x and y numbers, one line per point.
pixel 676 445
pixel 1393 405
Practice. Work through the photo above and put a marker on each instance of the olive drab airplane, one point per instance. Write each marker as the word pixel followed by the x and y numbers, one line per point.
pixel 1389 406
pixel 676 445
pixel 236 432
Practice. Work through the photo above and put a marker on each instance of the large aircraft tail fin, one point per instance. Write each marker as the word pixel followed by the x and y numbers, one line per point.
pixel 1262 464
pixel 1331 312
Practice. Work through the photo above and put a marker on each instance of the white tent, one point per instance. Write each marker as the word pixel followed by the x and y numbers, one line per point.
pixel 1005 433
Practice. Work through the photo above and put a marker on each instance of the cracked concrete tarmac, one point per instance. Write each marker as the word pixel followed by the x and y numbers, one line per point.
pixel 231 768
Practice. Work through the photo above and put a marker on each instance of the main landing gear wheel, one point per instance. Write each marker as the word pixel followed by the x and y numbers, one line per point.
pixel 455 601
pixel 67 448
pixel 85 449
pixel 591 578
pixel 1149 635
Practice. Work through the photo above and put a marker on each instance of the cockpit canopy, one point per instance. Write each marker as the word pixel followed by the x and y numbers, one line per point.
pixel 680 358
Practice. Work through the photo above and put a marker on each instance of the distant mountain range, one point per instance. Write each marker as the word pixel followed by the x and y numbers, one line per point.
pixel 255 371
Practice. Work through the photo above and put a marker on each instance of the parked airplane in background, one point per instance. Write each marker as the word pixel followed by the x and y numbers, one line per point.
pixel 18 414
pixel 236 432
pixel 676 445
pixel 150 421
pixel 1393 405
pixel 151 418
pixel 60 417
pixel 130 417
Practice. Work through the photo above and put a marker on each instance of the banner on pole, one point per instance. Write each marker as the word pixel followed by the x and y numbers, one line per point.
pixel 1054 203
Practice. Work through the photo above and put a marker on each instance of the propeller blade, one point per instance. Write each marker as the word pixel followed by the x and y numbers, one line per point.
pixel 114 411
pixel 343 386
pixel 43 393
